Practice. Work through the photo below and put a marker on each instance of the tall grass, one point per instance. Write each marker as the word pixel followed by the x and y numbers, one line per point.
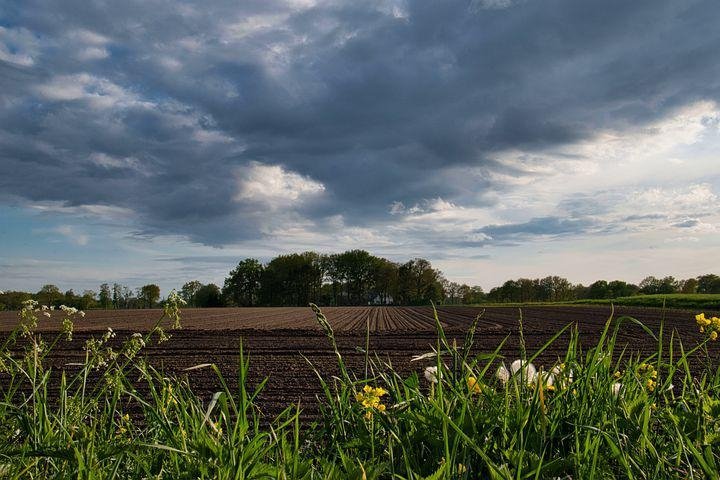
pixel 596 412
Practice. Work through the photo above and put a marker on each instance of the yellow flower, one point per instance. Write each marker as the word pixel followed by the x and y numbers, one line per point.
pixel 461 469
pixel 713 335
pixel 617 374
pixel 473 385
pixel 369 398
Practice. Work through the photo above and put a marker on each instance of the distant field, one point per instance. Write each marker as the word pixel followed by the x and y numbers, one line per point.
pixel 696 301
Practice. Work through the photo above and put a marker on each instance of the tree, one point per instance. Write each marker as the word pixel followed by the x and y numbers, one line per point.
pixel 242 286
pixel 188 292
pixel 149 295
pixel 208 296
pixel 709 283
pixel 689 286
pixel 11 300
pixel 117 295
pixel 292 280
pixel 355 269
pixel 618 288
pixel 598 290
pixel 49 295
pixel 104 297
pixel 385 280
pixel 419 283
pixel 554 289
pixel 453 293
pixel 470 295
pixel 87 300
pixel 651 285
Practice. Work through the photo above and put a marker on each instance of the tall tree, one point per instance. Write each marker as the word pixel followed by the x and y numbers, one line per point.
pixel 242 286
pixel 188 292
pixel 419 283
pixel 104 297
pixel 149 295
pixel 709 283
pixel 49 295
pixel 689 286
pixel 208 296
pixel 294 279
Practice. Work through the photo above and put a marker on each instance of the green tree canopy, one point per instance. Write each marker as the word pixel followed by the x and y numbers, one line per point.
pixel 242 286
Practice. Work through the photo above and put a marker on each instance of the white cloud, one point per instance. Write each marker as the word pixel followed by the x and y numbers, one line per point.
pixel 93 53
pixel 103 212
pixel 108 161
pixel 100 93
pixel 73 235
pixel 88 37
pixel 18 46
pixel 693 199
pixel 274 185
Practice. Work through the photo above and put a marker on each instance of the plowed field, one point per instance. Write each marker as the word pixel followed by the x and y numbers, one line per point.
pixel 275 338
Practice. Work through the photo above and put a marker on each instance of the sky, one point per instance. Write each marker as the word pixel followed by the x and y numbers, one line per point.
pixel 160 141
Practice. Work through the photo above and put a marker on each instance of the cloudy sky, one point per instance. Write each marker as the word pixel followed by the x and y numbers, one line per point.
pixel 159 140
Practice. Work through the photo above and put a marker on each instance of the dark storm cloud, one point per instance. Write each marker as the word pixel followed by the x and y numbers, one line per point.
pixel 153 107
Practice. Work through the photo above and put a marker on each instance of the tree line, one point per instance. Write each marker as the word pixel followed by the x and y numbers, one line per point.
pixel 107 297
pixel 354 277
pixel 558 289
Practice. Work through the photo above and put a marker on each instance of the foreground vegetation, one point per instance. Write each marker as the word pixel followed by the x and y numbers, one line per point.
pixel 597 412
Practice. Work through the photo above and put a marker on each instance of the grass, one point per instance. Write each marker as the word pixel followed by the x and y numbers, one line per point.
pixel 598 412
pixel 695 301
pixel 691 301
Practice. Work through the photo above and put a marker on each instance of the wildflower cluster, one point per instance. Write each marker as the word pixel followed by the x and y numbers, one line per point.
pixel 67 323
pixel 28 316
pixel 648 376
pixel 97 356
pixel 133 345
pixel 711 326
pixel 172 308
pixel 371 399
pixel 123 425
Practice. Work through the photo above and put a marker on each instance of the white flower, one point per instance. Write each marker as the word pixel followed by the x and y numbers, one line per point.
pixel 616 387
pixel 503 374
pixel 527 371
pixel 47 314
pixel 431 374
